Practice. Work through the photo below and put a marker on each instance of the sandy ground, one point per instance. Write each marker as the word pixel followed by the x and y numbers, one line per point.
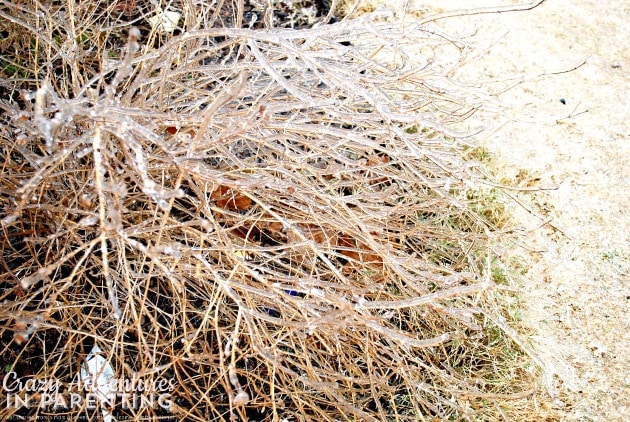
pixel 577 292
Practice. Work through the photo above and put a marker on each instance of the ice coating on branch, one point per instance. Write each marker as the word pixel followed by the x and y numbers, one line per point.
pixel 37 276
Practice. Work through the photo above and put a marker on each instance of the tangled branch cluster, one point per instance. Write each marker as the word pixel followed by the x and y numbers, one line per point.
pixel 274 219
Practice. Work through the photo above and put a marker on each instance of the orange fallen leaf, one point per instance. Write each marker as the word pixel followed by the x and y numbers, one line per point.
pixel 359 252
pixel 229 199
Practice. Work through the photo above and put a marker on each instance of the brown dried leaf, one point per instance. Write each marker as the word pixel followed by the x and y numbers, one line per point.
pixel 229 199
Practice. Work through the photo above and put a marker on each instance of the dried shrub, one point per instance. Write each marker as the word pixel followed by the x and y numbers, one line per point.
pixel 274 219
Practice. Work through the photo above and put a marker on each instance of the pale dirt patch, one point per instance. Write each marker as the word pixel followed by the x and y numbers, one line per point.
pixel 576 293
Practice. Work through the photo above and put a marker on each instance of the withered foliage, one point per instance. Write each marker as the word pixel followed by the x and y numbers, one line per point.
pixel 274 219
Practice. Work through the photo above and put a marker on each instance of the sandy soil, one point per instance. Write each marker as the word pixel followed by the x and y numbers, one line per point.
pixel 577 292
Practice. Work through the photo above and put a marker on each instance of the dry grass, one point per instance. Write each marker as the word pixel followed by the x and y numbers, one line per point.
pixel 280 222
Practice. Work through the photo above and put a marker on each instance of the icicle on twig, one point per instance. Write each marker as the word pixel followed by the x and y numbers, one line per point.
pixel 125 68
pixel 99 175
pixel 241 398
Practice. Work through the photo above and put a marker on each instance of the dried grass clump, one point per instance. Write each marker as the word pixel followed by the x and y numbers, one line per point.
pixel 274 219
